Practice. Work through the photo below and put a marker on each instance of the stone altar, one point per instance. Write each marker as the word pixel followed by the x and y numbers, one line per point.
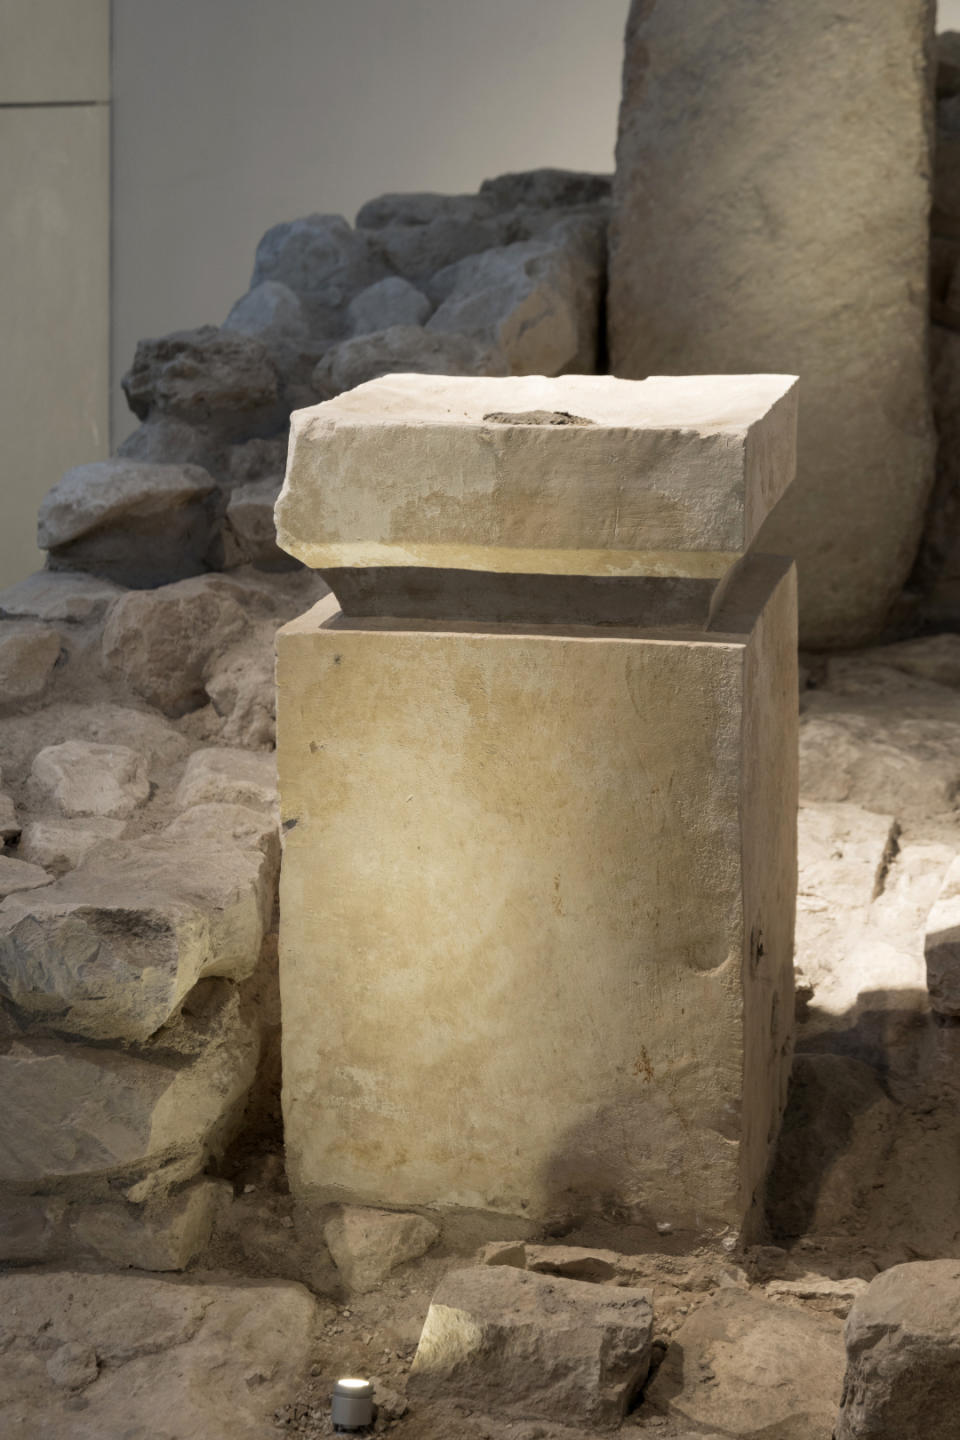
pixel 538 783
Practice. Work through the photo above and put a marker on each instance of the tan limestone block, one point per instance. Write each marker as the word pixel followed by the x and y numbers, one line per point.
pixel 576 475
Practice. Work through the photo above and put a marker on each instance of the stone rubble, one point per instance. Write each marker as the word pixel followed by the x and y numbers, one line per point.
pixel 366 1244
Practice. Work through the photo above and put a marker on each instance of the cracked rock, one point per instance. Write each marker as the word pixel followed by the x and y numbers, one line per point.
pixel 366 1244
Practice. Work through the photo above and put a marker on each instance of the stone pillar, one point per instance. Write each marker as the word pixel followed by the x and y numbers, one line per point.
pixel 771 204
pixel 538 782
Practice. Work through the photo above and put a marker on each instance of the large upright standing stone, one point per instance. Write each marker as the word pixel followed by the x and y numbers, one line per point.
pixel 770 213
pixel 538 778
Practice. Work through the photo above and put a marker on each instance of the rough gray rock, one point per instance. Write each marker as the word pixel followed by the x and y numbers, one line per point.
pixel 547 189
pixel 250 535
pixel 942 946
pixel 270 309
pixel 195 1361
pixel 10 827
pixel 366 1244
pixel 58 595
pixel 324 262
pixel 418 208
pixel 83 777
pixel 228 775
pixel 242 688
pixel 537 302
pixel 419 251
pixel 28 655
pixel 62 844
pixel 406 349
pixel 165 1234
pixel 732 250
pixel 207 377
pixel 128 522
pixel 160 641
pixel 74 1366
pixel 16 875
pixel 751 1368
pixel 389 302
pixel 500 1338
pixel 73 1111
pixel 110 951
pixel 903 1356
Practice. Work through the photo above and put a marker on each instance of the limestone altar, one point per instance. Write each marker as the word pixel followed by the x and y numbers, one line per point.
pixel 539 784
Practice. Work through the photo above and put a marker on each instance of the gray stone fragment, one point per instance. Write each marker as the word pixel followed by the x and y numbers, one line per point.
pixel 324 262
pixel 271 309
pixel 734 250
pixel 417 208
pixel 227 774
pixel 164 1235
pixel 128 522
pixel 54 595
pixel 366 1244
pixel 19 875
pixel 84 777
pixel 752 1368
pixel 405 349
pixel 28 655
pixel 502 1339
pixel 389 302
pixel 241 685
pixel 903 1356
pixel 250 535
pixel 547 189
pixel 418 251
pixel 74 1366
pixel 536 302
pixel 62 844
pixel 208 377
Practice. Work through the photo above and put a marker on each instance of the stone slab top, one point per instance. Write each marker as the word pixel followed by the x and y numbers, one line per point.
pixel 575 475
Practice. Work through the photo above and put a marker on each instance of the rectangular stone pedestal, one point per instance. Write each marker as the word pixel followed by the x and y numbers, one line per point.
pixel 537 907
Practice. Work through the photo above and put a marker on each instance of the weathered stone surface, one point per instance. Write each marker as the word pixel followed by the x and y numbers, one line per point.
pixel 164 1234
pixel 241 687
pixel 404 349
pixel 939 561
pixel 546 189
pixel 417 208
pixel 537 303
pixel 843 855
pixel 834 1147
pixel 324 262
pixel 160 641
pixel 934 658
pixel 819 1292
pixel 62 844
pixel 224 822
pixel 103 723
pixel 110 950
pixel 942 946
pixel 207 376
pixel 890 753
pixel 19 875
pixel 54 595
pixel 903 1356
pixel 393 301
pixel 83 777
pixel 367 1244
pixel 752 1368
pixel 78 1111
pixel 250 535
pixel 612 1114
pixel 229 775
pixel 74 1366
pixel 28 655
pixel 418 251
pixel 543 1347
pixel 256 460
pixel 10 827
pixel 776 253
pixel 176 1361
pixel 707 457
pixel 271 309
pixel 136 524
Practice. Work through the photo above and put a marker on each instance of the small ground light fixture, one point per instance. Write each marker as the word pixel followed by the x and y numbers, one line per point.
pixel 351 1405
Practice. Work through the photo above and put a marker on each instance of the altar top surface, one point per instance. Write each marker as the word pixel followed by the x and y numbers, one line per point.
pixel 578 474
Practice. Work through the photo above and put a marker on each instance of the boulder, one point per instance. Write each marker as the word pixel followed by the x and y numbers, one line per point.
pixel 110 951
pixel 931 658
pixel 547 189
pixel 417 208
pixel 20 875
pixel 501 1339
pixel 748 1367
pixel 324 262
pixel 367 1244
pixel 903 1356
pixel 942 946
pixel 227 823
pixel 250 535
pixel 28 655
pixel 62 844
pixel 84 777
pixel 418 251
pixel 227 774
pixel 257 460
pixel 128 522
pixel 242 689
pixel 195 1361
pixel 165 440
pixel 161 641
pixel 537 302
pixel 104 723
pixel 404 350
pixel 393 301
pixel 58 595
pixel 270 309
pixel 210 377
pixel 81 1112
pixel 819 1292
